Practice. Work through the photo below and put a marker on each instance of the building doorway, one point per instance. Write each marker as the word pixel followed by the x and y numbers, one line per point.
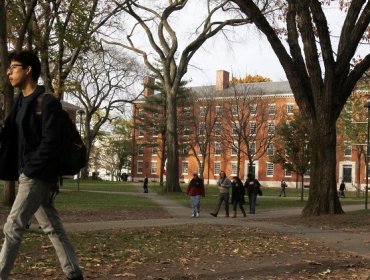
pixel 347 173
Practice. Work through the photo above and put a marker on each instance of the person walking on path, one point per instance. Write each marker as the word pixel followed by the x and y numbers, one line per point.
pixel 283 185
pixel 30 153
pixel 342 188
pixel 224 184
pixel 145 185
pixel 237 195
pixel 253 187
pixel 195 191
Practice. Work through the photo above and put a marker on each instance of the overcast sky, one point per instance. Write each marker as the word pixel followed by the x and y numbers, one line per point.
pixel 249 53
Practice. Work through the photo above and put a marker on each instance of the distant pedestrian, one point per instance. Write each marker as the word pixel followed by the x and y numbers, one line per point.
pixel 283 185
pixel 237 195
pixel 195 191
pixel 224 184
pixel 253 188
pixel 342 188
pixel 145 185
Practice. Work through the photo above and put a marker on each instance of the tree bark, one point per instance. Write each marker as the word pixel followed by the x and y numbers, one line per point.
pixel 323 196
pixel 172 168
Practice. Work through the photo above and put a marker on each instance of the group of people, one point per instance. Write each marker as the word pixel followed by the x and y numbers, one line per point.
pixel 238 190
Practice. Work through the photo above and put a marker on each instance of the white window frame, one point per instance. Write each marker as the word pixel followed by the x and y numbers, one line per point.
pixel 251 144
pixel 202 129
pixel 184 167
pixel 218 128
pixel 139 167
pixel 234 110
pixel 272 109
pixel 270 149
pixel 347 147
pixel 202 111
pixel 140 150
pixel 154 150
pixel 153 167
pixel 271 128
pixel 234 148
pixel 253 128
pixel 141 131
pixel 269 169
pixel 253 109
pixel 290 108
pixel 216 168
pixel 233 168
pixel 235 128
pixel 218 111
pixel 217 148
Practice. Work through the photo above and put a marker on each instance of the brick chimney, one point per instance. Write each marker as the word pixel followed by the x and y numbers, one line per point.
pixel 222 79
pixel 148 81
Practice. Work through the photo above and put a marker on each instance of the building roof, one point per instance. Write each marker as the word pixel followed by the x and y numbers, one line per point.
pixel 264 89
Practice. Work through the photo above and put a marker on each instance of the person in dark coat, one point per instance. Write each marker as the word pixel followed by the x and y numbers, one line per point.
pixel 30 153
pixel 237 195
pixel 342 188
pixel 195 190
pixel 145 185
pixel 253 187
pixel 283 186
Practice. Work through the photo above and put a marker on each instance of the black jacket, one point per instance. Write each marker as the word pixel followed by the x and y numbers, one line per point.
pixel 42 133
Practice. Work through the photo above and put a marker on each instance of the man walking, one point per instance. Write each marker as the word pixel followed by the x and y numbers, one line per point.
pixel 224 185
pixel 30 153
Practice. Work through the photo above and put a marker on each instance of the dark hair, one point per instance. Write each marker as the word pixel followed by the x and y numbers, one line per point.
pixel 27 58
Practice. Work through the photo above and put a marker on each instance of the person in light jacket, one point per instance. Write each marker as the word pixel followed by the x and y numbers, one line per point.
pixel 224 185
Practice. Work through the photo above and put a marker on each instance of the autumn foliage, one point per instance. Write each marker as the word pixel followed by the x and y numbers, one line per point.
pixel 250 79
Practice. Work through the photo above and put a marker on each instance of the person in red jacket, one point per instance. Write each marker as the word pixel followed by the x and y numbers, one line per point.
pixel 195 191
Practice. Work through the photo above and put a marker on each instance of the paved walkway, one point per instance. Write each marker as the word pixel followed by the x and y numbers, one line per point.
pixel 355 243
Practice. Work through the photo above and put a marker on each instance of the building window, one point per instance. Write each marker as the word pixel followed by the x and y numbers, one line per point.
pixel 218 111
pixel 217 148
pixel 186 111
pixel 271 128
pixel 270 149
pixel 233 168
pixel 252 148
pixel 153 167
pixel 253 109
pixel 217 128
pixel 288 173
pixel 141 113
pixel 154 150
pixel 139 167
pixel 253 126
pixel 235 128
pixel 234 110
pixel 141 131
pixel 307 173
pixel 271 109
pixel 347 149
pixel 185 168
pixel 140 150
pixel 186 131
pixel 270 169
pixel 234 148
pixel 290 109
pixel 155 131
pixel 202 111
pixel 201 149
pixel 185 149
pixel 217 167
pixel 202 128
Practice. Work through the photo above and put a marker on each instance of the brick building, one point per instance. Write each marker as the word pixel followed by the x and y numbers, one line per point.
pixel 228 127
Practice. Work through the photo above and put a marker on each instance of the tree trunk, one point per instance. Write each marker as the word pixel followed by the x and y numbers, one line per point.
pixel 172 168
pixel 323 197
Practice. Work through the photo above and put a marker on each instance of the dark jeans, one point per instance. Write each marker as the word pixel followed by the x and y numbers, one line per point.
pixel 252 202
pixel 222 197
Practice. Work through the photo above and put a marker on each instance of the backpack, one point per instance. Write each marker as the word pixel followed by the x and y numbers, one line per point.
pixel 73 150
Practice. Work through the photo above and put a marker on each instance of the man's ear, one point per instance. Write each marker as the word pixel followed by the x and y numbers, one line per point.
pixel 29 70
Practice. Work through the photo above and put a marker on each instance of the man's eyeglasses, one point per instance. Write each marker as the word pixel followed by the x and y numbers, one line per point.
pixel 13 66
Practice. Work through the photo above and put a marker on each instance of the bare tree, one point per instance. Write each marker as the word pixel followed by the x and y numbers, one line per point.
pixel 201 127
pixel 165 59
pixel 102 82
pixel 250 130
pixel 321 79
